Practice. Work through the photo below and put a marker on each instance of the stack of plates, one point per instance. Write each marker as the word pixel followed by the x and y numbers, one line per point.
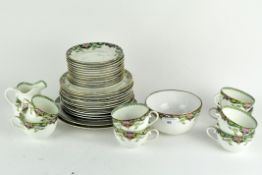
pixel 95 64
pixel 87 101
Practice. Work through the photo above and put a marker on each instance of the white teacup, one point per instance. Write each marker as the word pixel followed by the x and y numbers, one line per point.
pixel 230 96
pixel 134 139
pixel 230 143
pixel 178 110
pixel 34 130
pixel 235 121
pixel 133 117
pixel 40 108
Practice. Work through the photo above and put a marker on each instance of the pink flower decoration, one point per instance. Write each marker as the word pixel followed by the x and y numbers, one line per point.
pixel 245 131
pixel 127 123
pixel 247 105
pixel 130 135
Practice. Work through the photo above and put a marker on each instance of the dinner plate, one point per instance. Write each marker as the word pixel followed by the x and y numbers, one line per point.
pixel 95 53
pixel 120 87
pixel 81 122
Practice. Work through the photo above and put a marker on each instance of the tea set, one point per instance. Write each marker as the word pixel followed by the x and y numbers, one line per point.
pixel 96 92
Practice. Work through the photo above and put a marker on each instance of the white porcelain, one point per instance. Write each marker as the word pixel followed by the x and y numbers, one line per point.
pixel 174 126
pixel 133 117
pixel 230 96
pixel 32 132
pixel 23 91
pixel 132 139
pixel 235 121
pixel 40 107
pixel 178 110
pixel 229 143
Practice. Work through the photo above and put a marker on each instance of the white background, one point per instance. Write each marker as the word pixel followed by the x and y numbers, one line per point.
pixel 198 46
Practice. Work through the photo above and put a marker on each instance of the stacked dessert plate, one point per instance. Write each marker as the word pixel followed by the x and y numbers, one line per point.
pixel 95 84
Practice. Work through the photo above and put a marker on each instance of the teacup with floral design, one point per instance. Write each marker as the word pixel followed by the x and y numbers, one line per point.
pixel 133 117
pixel 235 121
pixel 232 143
pixel 178 110
pixel 36 130
pixel 39 109
pixel 134 139
pixel 230 96
pixel 38 117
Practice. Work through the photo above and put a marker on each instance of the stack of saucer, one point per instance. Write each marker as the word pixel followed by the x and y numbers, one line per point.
pixel 95 84
pixel 95 64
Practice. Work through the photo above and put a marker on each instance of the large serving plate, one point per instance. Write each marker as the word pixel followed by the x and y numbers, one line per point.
pixel 72 120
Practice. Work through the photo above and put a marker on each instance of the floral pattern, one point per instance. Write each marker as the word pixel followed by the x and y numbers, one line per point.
pixel 230 139
pixel 183 118
pixel 37 126
pixel 27 106
pixel 130 123
pixel 245 106
pixel 134 136
pixel 237 128
pixel 95 45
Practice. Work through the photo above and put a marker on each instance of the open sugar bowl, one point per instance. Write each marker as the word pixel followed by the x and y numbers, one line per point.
pixel 178 110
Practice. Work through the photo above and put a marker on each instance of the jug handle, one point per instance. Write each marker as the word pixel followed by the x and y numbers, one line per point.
pixel 10 95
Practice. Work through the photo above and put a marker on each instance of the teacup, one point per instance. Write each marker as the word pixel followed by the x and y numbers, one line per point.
pixel 39 109
pixel 134 139
pixel 35 130
pixel 18 95
pixel 229 96
pixel 235 121
pixel 133 117
pixel 229 142
pixel 178 110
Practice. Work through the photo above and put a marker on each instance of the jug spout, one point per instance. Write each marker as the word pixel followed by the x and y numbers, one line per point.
pixel 40 85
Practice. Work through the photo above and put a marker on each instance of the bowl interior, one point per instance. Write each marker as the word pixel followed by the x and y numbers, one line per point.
pixel 173 102
pixel 130 112
pixel 239 117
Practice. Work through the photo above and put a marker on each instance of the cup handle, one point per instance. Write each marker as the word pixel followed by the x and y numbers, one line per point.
pixel 10 95
pixel 211 133
pixel 152 134
pixel 154 115
pixel 217 99
pixel 14 122
pixel 213 112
